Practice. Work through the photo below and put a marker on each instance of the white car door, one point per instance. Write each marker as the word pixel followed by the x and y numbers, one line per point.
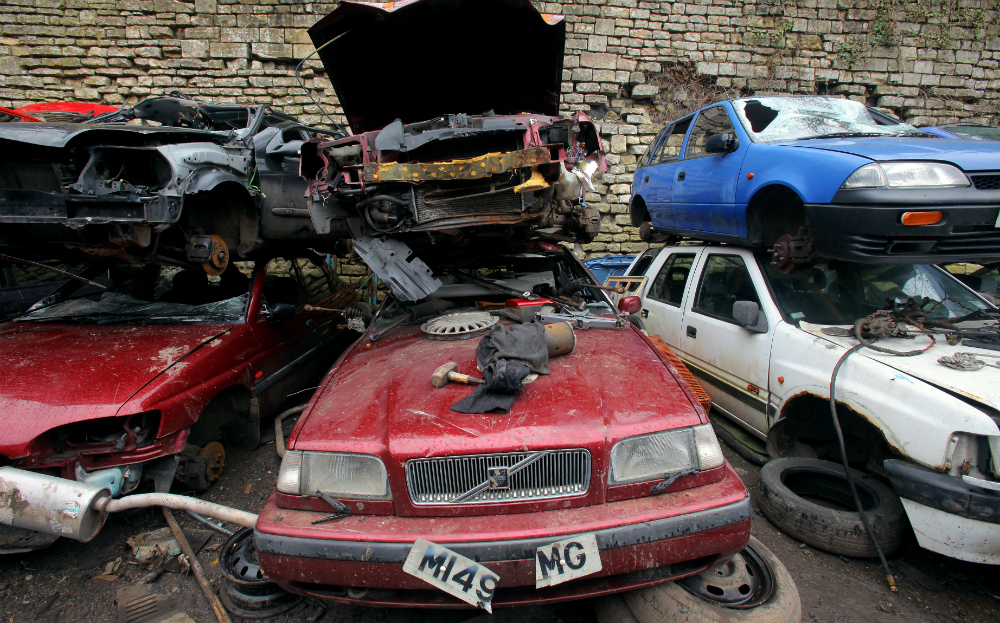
pixel 669 277
pixel 731 360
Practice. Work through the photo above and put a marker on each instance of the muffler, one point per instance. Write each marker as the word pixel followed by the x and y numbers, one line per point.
pixel 77 510
pixel 51 505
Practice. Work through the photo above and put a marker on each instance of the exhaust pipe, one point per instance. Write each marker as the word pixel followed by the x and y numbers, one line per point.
pixel 77 510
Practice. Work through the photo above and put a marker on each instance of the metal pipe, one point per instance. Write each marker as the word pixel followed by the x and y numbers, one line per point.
pixel 183 503
pixel 199 573
pixel 279 434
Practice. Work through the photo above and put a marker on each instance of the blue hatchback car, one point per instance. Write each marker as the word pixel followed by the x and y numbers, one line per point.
pixel 813 176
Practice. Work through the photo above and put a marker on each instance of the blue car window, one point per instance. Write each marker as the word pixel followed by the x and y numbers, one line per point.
pixel 724 281
pixel 670 146
pixel 649 157
pixel 975 132
pixel 710 122
pixel 668 287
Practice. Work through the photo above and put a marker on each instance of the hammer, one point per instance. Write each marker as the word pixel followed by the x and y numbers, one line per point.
pixel 447 373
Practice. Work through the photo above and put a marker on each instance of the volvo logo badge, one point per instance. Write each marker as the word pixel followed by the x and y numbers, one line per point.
pixel 499 477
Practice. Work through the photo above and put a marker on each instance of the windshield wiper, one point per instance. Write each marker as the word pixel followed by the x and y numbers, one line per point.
pixel 849 135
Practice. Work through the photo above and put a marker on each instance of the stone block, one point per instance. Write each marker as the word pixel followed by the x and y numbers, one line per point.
pixel 604 27
pixel 597 43
pixel 644 91
pixel 272 51
pixel 618 144
pixel 205 6
pixel 229 50
pixel 598 61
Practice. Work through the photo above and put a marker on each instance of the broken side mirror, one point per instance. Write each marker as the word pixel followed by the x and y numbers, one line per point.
pixel 721 143
pixel 280 312
pixel 629 304
pixel 749 316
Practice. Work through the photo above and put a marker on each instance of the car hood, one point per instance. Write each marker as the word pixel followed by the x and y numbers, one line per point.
pixel 968 155
pixel 592 398
pixel 58 374
pixel 982 386
pixel 61 134
pixel 418 59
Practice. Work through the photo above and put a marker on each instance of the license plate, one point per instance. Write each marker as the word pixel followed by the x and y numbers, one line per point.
pixel 453 573
pixel 566 560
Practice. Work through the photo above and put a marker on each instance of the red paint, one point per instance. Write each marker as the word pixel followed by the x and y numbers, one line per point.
pixel 615 384
pixel 80 108
pixel 19 115
pixel 58 374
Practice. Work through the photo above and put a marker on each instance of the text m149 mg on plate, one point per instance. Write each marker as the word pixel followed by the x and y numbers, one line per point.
pixel 566 560
pixel 453 573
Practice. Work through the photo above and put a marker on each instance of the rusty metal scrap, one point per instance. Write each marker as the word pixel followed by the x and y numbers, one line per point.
pixel 468 169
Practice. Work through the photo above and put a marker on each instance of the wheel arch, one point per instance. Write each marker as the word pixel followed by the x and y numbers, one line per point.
pixel 638 211
pixel 233 402
pixel 229 210
pixel 762 222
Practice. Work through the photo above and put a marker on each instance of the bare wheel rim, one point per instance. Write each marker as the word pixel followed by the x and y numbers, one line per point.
pixel 458 326
pixel 744 582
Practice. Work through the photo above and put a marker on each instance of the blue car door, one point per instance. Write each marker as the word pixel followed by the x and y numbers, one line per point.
pixel 703 195
pixel 655 180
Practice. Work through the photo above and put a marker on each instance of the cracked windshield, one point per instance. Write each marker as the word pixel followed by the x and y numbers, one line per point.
pixel 776 119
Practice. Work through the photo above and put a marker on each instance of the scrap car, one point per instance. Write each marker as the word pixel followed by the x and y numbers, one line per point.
pixel 486 159
pixel 811 177
pixel 918 403
pixel 577 464
pixel 133 372
pixel 170 177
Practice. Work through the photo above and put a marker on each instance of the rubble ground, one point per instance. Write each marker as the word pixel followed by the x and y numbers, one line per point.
pixel 61 583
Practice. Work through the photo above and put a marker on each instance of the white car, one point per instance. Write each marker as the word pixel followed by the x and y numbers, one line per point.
pixel 930 430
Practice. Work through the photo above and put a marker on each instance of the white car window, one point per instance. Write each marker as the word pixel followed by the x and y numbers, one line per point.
pixel 724 281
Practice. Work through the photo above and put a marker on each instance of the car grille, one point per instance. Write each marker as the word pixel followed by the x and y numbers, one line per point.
pixel 986 182
pixel 494 197
pixel 967 243
pixel 562 473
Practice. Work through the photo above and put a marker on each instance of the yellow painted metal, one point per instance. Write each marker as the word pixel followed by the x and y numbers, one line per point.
pixel 537 182
pixel 468 169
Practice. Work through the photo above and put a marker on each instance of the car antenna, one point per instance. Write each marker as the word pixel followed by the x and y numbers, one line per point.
pixel 303 84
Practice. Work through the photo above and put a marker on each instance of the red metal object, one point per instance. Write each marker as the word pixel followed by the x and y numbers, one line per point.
pixel 15 113
pixel 630 304
pixel 60 110
pixel 589 401
pixel 62 374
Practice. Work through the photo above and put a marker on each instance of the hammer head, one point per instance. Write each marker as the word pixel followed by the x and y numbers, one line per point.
pixel 440 377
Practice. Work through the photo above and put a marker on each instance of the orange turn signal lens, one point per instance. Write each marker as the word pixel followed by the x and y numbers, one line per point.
pixel 922 218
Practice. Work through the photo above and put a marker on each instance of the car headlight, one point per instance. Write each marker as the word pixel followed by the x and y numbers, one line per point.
pixel 338 475
pixel 656 456
pixel 906 175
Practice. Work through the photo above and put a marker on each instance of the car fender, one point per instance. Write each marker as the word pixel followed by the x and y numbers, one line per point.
pixel 814 175
pixel 916 418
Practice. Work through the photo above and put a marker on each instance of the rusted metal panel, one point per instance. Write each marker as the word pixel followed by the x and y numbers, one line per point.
pixel 468 169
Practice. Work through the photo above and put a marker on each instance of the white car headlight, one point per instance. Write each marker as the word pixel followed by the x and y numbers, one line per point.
pixel 655 456
pixel 906 175
pixel 338 475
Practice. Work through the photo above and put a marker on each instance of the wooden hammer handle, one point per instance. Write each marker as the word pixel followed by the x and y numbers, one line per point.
pixel 465 379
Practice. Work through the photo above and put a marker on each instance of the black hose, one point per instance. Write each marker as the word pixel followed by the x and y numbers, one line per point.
pixel 354 312
pixel 389 198
pixel 843 454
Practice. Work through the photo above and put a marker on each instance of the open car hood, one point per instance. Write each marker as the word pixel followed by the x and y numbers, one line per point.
pixel 418 59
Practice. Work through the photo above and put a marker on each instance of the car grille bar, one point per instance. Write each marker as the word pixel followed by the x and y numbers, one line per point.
pixel 439 480
pixel 986 182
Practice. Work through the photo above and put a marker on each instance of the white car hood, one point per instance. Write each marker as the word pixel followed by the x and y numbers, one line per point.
pixel 981 385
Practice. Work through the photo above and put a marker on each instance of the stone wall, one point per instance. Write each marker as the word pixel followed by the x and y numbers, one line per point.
pixel 632 65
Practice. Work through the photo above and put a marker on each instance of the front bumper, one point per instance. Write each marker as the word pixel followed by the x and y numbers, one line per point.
pixel 643 541
pixel 948 515
pixel 869 232
pixel 34 206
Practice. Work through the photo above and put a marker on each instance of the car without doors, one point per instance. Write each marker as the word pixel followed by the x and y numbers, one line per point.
pixel 811 177
pixel 170 177
pixel 765 344
pixel 139 371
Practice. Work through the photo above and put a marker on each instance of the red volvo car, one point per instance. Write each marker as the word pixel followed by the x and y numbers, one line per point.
pixel 604 473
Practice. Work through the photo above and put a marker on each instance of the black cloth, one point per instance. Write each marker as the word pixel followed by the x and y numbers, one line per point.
pixel 503 383
pixel 524 343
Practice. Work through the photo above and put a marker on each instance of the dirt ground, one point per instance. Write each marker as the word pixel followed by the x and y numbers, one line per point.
pixel 61 584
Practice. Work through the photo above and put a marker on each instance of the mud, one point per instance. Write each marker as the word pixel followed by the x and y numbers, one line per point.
pixel 63 579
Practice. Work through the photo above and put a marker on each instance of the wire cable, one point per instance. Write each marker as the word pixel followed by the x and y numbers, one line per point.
pixel 302 84
pixel 843 455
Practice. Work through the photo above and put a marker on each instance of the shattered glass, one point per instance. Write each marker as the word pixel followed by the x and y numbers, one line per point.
pixel 117 307
pixel 778 119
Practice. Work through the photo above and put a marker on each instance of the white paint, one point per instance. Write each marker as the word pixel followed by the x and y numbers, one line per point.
pixel 453 573
pixel 567 560
pixel 953 535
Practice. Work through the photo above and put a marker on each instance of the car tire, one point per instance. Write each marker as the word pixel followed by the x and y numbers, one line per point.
pixel 613 609
pixel 679 602
pixel 810 500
